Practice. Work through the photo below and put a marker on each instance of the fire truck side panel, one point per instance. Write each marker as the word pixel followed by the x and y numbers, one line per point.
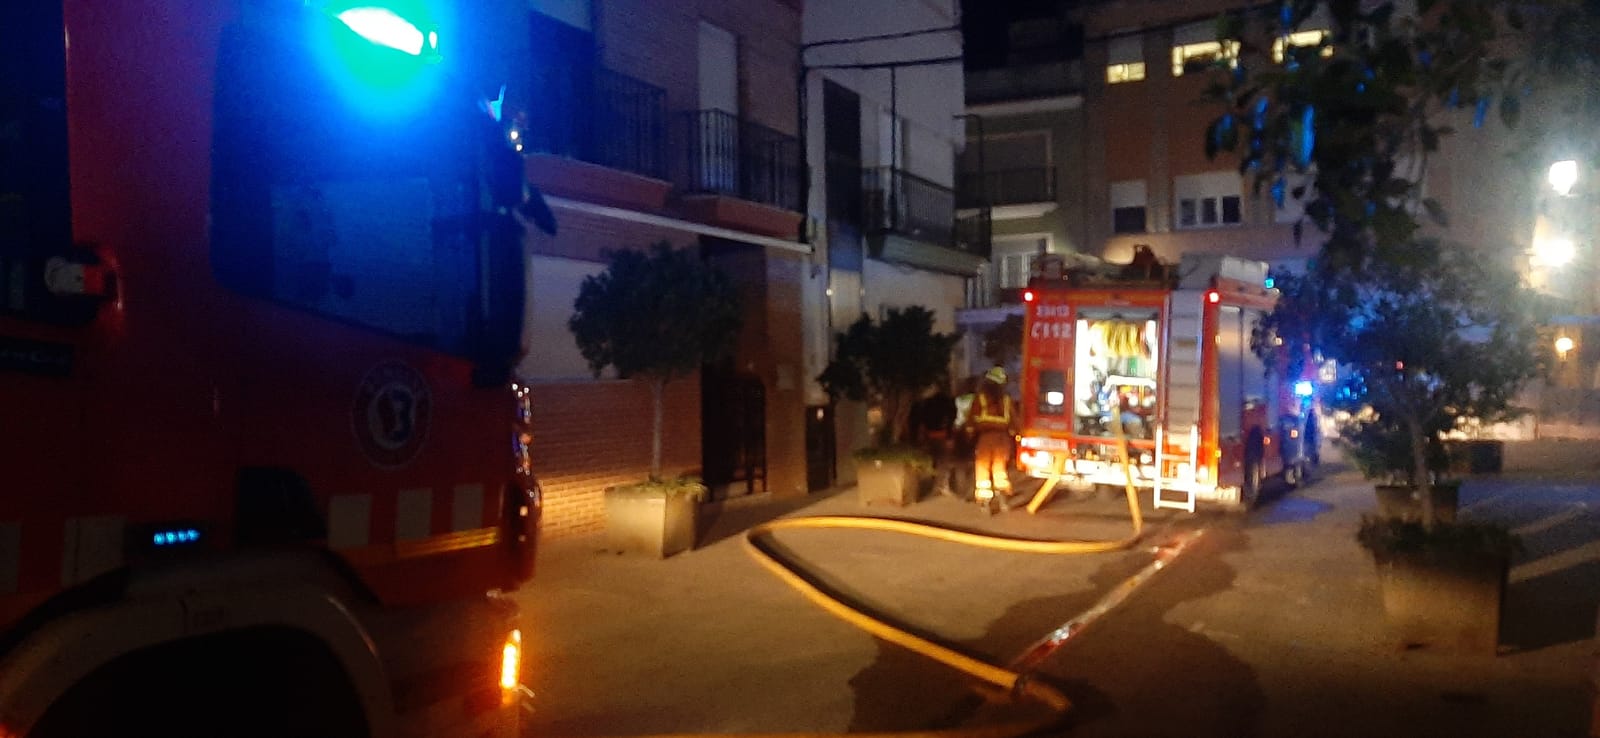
pixel 182 388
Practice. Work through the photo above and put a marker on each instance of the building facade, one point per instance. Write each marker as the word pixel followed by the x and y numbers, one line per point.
pixel 645 122
pixel 883 96
pixel 1109 95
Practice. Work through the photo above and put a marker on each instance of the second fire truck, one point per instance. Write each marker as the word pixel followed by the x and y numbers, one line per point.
pixel 1165 358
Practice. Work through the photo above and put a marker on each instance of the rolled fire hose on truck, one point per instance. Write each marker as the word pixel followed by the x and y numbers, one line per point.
pixel 1013 680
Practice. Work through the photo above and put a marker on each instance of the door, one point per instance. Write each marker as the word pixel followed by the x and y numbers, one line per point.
pixel 717 130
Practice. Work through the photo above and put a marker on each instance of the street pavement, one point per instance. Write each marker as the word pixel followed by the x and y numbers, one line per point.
pixel 1269 625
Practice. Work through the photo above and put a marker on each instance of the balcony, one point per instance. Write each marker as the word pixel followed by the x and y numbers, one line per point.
pixel 1011 193
pixel 612 121
pixel 1024 81
pixel 913 220
pixel 903 203
pixel 725 155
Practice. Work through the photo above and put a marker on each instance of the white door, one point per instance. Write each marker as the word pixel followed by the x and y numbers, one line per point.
pixel 718 132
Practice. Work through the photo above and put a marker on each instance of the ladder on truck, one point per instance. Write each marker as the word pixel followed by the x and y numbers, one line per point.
pixel 1185 481
pixel 1184 318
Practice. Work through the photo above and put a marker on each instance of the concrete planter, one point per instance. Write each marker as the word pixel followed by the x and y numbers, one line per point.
pixel 893 482
pixel 1477 456
pixel 650 522
pixel 1404 501
pixel 1451 600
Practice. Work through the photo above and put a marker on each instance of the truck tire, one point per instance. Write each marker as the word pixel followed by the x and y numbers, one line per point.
pixel 1293 474
pixel 1250 487
pixel 255 682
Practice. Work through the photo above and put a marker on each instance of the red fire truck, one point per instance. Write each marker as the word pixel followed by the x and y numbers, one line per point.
pixel 261 284
pixel 1159 356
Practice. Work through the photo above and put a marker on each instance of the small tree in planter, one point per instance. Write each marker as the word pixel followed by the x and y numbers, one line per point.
pixel 889 364
pixel 655 315
pixel 1427 351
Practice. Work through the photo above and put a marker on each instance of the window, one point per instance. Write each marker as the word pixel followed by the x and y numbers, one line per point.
pixel 1130 72
pixel 1125 60
pixel 1013 259
pixel 1197 57
pixel 1199 212
pixel 364 221
pixel 1014 270
pixel 1128 207
pixel 1129 220
pixel 1280 45
pixel 1207 200
pixel 35 222
pixel 1195 47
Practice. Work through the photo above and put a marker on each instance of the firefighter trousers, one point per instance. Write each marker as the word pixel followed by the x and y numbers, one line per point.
pixel 993 459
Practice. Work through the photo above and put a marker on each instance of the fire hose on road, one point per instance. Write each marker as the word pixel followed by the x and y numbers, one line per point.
pixel 1012 680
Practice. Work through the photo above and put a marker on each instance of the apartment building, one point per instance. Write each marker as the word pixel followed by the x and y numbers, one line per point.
pixel 645 121
pixel 1107 95
pixel 883 106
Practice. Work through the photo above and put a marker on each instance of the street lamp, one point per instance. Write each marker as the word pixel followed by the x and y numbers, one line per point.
pixel 1554 251
pixel 1563 175
pixel 1564 346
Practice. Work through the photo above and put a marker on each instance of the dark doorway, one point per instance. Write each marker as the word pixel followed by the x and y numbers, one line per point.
pixel 820 451
pixel 733 412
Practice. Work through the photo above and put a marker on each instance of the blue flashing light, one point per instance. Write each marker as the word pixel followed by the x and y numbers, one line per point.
pixel 1303 388
pixel 1269 283
pixel 381 57
pixel 175 537
pixel 384 28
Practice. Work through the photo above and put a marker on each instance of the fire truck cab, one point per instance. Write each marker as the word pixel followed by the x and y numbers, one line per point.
pixel 1164 358
pixel 262 469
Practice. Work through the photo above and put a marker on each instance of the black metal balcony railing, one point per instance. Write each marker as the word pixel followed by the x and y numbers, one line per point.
pixel 1007 187
pixel 901 202
pixel 611 119
pixel 730 156
pixel 975 234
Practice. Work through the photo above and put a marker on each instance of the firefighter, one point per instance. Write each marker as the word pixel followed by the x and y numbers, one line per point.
pixel 960 459
pixel 991 419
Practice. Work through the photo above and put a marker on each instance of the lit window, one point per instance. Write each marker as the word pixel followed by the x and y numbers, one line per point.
pixel 1280 46
pixel 1196 57
pixel 1130 72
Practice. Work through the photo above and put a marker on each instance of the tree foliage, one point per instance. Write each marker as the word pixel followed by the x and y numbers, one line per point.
pixel 658 314
pixel 889 364
pixel 1433 334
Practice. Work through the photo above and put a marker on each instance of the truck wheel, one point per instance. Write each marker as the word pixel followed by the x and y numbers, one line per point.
pixel 253 684
pixel 1250 488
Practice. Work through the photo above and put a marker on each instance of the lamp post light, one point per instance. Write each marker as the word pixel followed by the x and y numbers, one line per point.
pixel 1554 252
pixel 1563 175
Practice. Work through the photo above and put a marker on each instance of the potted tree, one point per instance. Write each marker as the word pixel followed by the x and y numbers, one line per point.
pixel 889 364
pixel 655 315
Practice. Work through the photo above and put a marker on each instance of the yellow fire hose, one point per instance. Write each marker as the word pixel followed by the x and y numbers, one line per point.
pixel 1012 682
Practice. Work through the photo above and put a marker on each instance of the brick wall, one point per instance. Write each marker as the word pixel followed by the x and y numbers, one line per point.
pixel 592 435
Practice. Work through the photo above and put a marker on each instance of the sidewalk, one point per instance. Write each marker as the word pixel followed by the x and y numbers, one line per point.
pixel 1273 627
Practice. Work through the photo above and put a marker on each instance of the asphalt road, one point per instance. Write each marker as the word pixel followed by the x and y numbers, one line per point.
pixel 1270 625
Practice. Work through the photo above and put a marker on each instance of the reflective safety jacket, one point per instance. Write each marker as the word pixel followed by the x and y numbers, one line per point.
pixel 985 416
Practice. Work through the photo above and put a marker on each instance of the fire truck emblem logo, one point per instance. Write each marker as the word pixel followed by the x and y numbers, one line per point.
pixel 391 413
